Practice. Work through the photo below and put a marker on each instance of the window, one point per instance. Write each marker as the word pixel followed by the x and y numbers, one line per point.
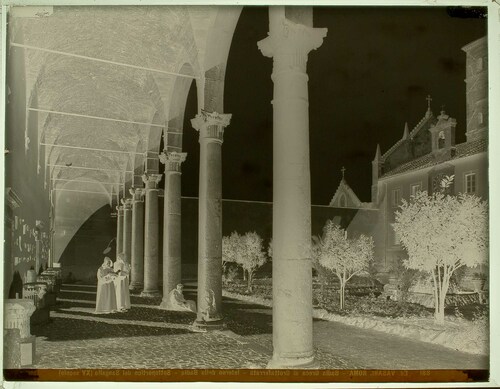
pixel 470 183
pixel 415 188
pixel 342 201
pixel 396 240
pixel 480 118
pixel 396 197
pixel 441 140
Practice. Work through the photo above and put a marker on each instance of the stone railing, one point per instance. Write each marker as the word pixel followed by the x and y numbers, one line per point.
pixel 57 274
pixel 48 279
pixel 36 292
pixel 17 315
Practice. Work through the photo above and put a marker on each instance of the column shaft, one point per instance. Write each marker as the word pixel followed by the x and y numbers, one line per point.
pixel 151 237
pixel 288 44
pixel 119 230
pixel 211 127
pixel 171 224
pixel 210 226
pixel 137 247
pixel 127 229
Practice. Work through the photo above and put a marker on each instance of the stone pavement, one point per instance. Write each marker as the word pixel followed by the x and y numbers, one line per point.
pixel 147 337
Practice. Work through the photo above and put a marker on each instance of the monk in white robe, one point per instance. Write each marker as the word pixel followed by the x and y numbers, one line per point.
pixel 106 297
pixel 122 269
pixel 178 302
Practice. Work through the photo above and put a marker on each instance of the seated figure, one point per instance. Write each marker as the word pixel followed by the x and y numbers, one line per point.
pixel 209 313
pixel 178 302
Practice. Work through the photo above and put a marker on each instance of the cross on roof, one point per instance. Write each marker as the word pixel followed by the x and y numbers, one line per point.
pixel 429 99
pixel 343 171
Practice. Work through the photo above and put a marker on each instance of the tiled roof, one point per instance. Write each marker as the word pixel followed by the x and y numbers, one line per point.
pixel 413 132
pixel 461 150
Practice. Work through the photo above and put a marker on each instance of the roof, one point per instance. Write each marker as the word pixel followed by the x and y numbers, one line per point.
pixel 345 188
pixel 461 150
pixel 429 116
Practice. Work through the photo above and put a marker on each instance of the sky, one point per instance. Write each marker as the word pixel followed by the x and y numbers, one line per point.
pixel 372 74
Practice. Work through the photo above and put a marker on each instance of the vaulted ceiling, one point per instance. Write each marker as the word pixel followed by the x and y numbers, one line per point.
pixel 104 83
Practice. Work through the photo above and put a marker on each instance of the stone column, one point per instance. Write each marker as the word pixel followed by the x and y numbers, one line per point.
pixel 211 129
pixel 119 229
pixel 127 229
pixel 137 247
pixel 151 236
pixel 171 224
pixel 38 250
pixel 288 44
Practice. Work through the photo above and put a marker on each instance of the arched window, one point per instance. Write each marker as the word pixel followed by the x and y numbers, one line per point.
pixel 441 140
pixel 342 201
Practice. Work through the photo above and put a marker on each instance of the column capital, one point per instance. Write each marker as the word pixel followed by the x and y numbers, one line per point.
pixel 289 44
pixel 127 203
pixel 137 194
pixel 211 124
pixel 151 180
pixel 172 160
pixel 119 208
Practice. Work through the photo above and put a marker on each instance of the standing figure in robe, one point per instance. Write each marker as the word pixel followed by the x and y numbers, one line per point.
pixel 122 269
pixel 106 296
pixel 178 302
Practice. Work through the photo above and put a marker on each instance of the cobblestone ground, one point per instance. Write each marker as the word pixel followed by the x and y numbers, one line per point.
pixel 147 337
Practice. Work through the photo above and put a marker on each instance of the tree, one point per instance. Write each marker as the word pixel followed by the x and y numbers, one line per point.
pixel 245 250
pixel 345 257
pixel 229 250
pixel 442 233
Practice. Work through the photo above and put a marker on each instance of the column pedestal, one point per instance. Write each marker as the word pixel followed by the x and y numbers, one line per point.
pixel 288 44
pixel 171 224
pixel 137 246
pixel 211 129
pixel 151 236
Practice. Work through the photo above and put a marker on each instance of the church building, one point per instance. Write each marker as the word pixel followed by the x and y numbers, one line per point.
pixel 427 152
pixel 418 161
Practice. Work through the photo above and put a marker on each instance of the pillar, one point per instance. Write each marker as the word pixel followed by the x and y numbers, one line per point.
pixel 137 246
pixel 171 224
pixel 151 236
pixel 211 129
pixel 289 43
pixel 127 229
pixel 119 229
pixel 38 250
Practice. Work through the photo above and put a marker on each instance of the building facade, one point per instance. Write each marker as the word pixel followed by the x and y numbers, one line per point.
pixel 427 153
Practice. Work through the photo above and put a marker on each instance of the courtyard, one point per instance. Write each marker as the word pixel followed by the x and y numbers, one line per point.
pixel 150 338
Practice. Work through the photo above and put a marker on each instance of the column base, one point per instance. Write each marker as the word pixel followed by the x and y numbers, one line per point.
pixel 278 362
pixel 216 325
pixel 150 293
pixel 136 287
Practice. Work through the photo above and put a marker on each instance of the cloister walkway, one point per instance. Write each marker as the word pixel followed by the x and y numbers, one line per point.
pixel 147 337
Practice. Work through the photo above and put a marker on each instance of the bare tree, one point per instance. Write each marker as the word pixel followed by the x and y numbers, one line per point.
pixel 345 257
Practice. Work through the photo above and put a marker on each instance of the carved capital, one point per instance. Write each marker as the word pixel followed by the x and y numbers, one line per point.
pixel 151 180
pixel 289 44
pixel 17 313
pixel 211 124
pixel 137 194
pixel 172 160
pixel 127 204
pixel 119 208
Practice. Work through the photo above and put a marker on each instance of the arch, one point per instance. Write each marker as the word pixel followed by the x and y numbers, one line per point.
pixel 343 201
